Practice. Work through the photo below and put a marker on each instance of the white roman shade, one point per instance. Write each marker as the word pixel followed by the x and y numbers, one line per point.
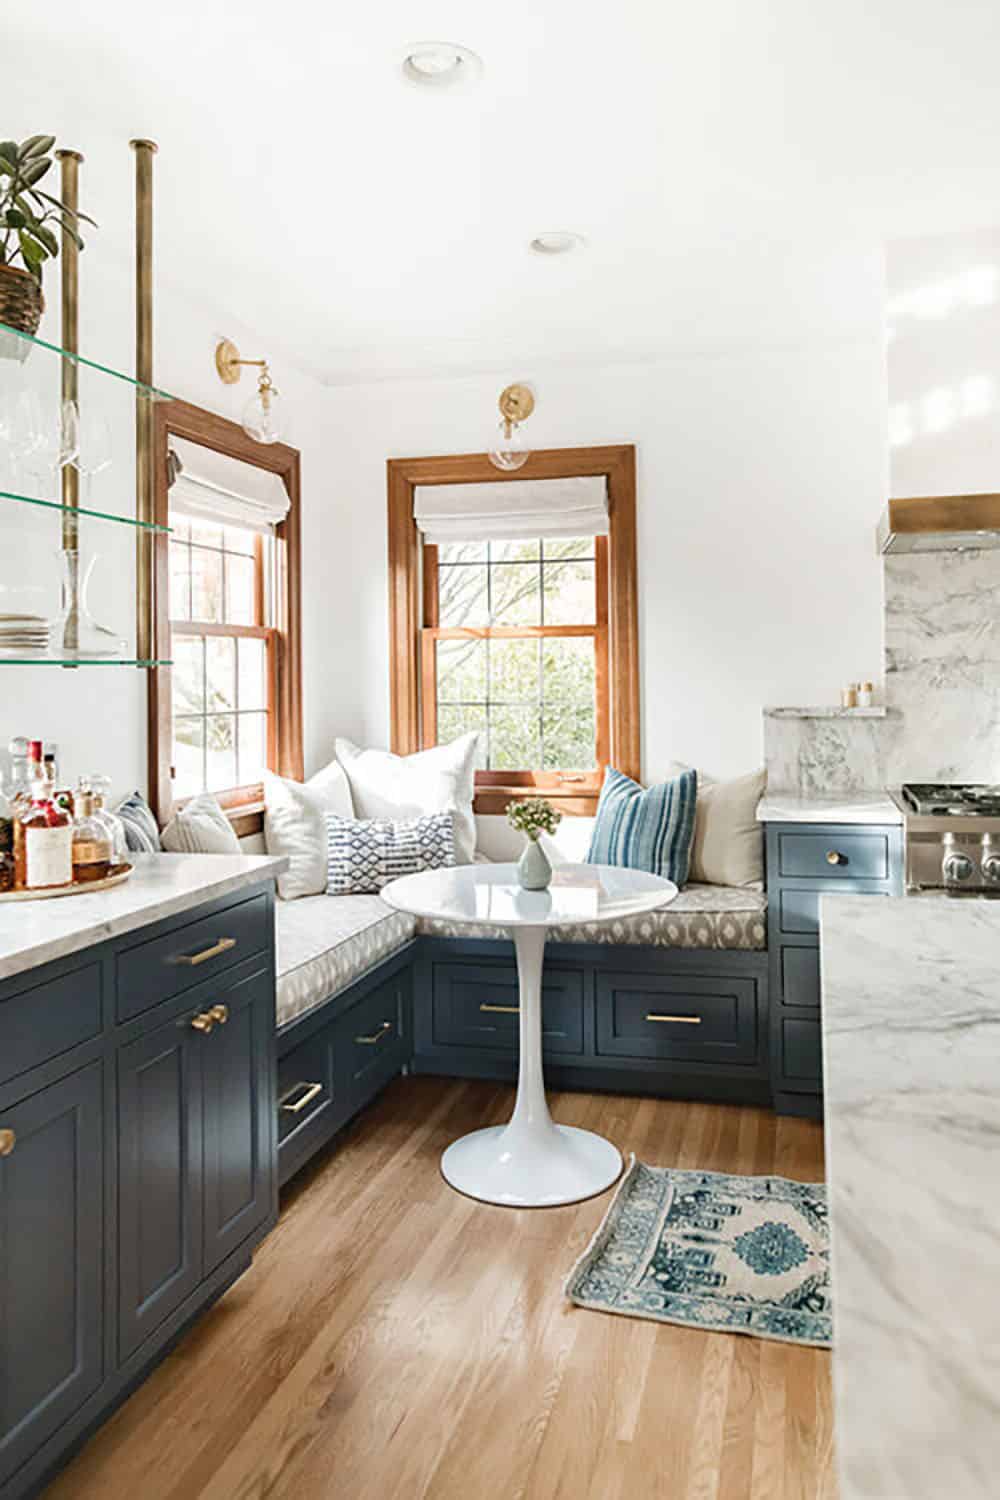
pixel 213 487
pixel 511 510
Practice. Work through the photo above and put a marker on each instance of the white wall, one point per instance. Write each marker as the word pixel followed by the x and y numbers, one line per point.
pixel 943 314
pixel 761 475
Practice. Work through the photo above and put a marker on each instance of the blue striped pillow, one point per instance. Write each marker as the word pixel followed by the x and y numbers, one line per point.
pixel 645 829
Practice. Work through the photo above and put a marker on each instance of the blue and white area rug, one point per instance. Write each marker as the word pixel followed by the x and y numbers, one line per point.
pixel 731 1254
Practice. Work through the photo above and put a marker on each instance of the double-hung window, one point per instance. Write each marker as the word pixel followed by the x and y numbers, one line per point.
pixel 520 594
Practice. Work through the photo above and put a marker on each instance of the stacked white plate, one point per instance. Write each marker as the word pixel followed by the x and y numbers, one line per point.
pixel 24 633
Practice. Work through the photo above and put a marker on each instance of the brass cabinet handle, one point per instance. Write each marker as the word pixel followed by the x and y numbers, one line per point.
pixel 380 1035
pixel 8 1140
pixel 222 946
pixel 680 1020
pixel 834 857
pixel 219 1013
pixel 202 1022
pixel 502 1010
pixel 311 1090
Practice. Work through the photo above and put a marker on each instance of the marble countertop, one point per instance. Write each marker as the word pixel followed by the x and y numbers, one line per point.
pixel 911 1032
pixel 845 807
pixel 35 932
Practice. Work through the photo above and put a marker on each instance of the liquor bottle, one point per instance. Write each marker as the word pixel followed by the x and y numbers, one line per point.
pixel 101 786
pixel 6 843
pixel 49 761
pixel 19 785
pixel 92 855
pixel 43 841
pixel 36 765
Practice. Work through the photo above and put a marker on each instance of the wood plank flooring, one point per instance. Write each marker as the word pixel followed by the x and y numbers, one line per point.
pixel 397 1341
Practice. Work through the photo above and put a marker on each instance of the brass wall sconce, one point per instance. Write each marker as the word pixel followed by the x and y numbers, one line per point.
pixel 260 418
pixel 510 451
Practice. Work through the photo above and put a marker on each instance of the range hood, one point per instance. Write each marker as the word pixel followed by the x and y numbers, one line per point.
pixel 940 523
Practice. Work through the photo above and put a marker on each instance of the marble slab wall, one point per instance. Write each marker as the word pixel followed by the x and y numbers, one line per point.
pixel 942 689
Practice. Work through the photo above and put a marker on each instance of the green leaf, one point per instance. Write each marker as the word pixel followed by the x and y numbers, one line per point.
pixel 8 150
pixel 46 236
pixel 34 171
pixel 7 168
pixel 36 145
pixel 73 213
pixel 15 219
pixel 33 252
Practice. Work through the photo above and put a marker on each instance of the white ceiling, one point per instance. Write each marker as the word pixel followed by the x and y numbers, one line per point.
pixel 733 164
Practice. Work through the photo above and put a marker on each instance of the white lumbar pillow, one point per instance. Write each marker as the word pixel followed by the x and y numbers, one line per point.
pixel 728 845
pixel 400 787
pixel 200 827
pixel 295 826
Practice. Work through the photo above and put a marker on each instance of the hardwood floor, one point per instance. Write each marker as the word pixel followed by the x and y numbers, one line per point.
pixel 396 1340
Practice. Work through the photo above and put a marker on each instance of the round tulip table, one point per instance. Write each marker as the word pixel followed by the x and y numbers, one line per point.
pixel 530 1162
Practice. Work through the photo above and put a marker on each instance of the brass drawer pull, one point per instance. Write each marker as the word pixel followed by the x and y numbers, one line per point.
pixel 311 1090
pixel 222 946
pixel 502 1010
pixel 680 1020
pixel 219 1013
pixel 379 1036
pixel 8 1140
pixel 834 857
pixel 202 1022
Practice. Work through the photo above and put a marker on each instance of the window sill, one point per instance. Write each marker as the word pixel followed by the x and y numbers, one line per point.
pixel 572 802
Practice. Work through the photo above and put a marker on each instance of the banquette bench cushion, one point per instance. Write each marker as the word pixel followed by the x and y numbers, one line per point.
pixel 325 943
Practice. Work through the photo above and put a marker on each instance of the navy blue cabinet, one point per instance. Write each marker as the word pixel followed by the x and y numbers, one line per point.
pixel 51 1261
pixel 806 861
pixel 137 1162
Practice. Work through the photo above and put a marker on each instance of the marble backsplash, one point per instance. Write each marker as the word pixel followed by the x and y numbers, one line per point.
pixel 942 688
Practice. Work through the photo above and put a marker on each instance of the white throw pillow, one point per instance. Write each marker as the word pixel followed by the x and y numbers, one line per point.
pixel 201 827
pixel 295 826
pixel 398 787
pixel 728 847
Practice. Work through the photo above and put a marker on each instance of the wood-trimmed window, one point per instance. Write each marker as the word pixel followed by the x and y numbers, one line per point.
pixel 602 640
pixel 250 589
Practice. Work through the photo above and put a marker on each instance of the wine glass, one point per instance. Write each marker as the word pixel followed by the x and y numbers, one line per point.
pixel 94 448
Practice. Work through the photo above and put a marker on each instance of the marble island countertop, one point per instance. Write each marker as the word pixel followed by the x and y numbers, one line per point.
pixel 35 932
pixel 843 807
pixel 911 1031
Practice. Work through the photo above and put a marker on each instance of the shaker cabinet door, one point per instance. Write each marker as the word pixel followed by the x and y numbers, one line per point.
pixel 239 1090
pixel 160 1177
pixel 51 1258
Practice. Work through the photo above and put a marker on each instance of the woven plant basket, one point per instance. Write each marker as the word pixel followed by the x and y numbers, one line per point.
pixel 21 300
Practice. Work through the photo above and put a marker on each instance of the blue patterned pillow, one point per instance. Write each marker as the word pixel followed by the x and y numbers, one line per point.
pixel 645 829
pixel 364 854
pixel 142 836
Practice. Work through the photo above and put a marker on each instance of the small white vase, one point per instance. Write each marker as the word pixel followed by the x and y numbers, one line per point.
pixel 533 869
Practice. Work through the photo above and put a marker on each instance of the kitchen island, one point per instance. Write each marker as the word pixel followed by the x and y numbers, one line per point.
pixel 911 1032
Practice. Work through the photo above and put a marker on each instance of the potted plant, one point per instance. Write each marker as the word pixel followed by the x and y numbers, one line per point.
pixel 533 817
pixel 27 213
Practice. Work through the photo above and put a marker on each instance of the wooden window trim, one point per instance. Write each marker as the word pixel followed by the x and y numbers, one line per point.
pixel 244 805
pixel 410 571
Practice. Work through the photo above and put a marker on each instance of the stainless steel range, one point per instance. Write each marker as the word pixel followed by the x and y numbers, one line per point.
pixel 952 837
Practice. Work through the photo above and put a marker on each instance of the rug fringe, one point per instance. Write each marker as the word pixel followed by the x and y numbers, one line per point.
pixel 602 1233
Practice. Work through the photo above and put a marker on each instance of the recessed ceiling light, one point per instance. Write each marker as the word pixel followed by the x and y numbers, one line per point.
pixel 440 65
pixel 556 242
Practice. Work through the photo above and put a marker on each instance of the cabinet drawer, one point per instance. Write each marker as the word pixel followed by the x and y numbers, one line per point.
pixel 476 1005
pixel 802 1052
pixel 690 1019
pixel 372 1040
pixel 153 971
pixel 800 983
pixel 798 908
pixel 50 1018
pixel 834 855
pixel 305 1085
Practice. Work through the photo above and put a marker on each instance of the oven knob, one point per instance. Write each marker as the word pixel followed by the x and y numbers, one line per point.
pixel 956 868
pixel 991 869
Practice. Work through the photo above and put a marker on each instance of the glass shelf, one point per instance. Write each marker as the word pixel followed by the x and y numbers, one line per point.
pixel 26 341
pixel 79 661
pixel 82 510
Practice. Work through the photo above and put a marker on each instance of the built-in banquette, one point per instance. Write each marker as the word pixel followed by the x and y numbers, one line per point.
pixel 137 1136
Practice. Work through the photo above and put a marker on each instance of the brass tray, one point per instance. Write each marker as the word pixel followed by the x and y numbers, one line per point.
pixel 119 874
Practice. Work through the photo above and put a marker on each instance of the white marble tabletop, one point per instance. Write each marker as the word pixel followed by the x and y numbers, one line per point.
pixel 35 932
pixel 911 1030
pixel 845 807
pixel 491 893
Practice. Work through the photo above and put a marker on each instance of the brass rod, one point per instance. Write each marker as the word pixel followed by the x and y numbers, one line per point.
pixel 69 163
pixel 144 153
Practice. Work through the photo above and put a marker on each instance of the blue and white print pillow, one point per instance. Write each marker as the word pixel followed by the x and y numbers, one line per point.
pixel 645 828
pixel 364 854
